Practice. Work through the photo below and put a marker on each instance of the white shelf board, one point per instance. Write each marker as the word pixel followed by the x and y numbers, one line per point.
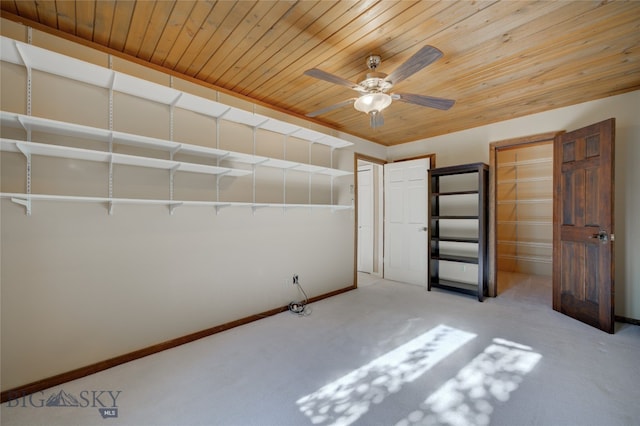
pixel 145 141
pixel 240 157
pixel 336 172
pixel 75 69
pixel 47 197
pixel 9 145
pixel 85 199
pixel 60 152
pixel 214 170
pixel 308 135
pixel 33 148
pixel 201 105
pixel 333 142
pixel 153 163
pixel 202 151
pixel 65 66
pixel 244 117
pixel 46 125
pixel 278 126
pixel 9 51
pixel 279 164
pixel 310 168
pixel 145 89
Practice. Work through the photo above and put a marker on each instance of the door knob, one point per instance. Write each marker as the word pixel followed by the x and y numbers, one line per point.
pixel 424 228
pixel 602 236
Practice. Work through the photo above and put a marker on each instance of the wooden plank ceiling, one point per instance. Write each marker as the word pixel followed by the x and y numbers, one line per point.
pixel 502 59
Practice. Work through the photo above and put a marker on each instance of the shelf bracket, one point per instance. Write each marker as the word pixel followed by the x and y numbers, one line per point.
pixel 218 159
pixel 25 61
pixel 333 148
pixel 110 166
pixel 111 204
pixel 172 172
pixel 255 207
pixel 224 173
pixel 25 202
pixel 25 151
pixel 310 175
pixel 219 207
pixel 26 127
pixel 172 207
pixel 172 107
pixel 112 82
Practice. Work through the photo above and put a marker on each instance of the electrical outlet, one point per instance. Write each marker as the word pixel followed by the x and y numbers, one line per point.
pixel 295 279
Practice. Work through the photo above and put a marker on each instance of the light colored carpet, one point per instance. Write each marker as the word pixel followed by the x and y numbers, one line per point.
pixel 385 354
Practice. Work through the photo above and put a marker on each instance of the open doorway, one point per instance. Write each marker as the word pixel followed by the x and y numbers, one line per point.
pixel 370 215
pixel 369 218
pixel 522 216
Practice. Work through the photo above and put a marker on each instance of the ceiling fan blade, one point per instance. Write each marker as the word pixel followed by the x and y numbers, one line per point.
pixel 422 58
pixel 331 108
pixel 427 101
pixel 332 78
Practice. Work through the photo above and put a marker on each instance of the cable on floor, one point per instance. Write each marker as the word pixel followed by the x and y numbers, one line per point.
pixel 300 308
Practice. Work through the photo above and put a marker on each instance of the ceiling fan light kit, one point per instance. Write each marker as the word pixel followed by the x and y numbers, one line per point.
pixel 373 104
pixel 374 87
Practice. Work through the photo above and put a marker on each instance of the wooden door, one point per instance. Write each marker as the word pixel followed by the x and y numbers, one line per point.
pixel 583 274
pixel 405 221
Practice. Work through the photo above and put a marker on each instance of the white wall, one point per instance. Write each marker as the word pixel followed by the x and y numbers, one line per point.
pixel 80 286
pixel 473 145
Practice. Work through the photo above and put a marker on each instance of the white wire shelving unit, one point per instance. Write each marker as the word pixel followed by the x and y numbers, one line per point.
pixel 36 58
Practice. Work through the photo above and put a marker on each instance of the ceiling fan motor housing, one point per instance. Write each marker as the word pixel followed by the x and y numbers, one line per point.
pixel 375 82
pixel 373 61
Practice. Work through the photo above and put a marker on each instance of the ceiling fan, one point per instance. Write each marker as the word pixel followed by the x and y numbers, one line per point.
pixel 375 85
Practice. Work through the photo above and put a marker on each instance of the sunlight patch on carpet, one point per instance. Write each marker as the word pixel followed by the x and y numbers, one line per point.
pixel 470 397
pixel 343 401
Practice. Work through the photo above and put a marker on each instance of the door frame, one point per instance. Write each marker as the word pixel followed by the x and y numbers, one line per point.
pixel 362 157
pixel 494 149
pixel 358 156
pixel 369 171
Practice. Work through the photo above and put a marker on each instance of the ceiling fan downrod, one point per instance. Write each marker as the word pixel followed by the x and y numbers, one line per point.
pixel 373 62
pixel 376 119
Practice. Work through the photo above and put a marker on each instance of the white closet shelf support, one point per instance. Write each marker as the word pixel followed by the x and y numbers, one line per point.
pixel 34 148
pixel 40 59
pixel 145 142
pixel 48 137
pixel 45 125
pixel 26 200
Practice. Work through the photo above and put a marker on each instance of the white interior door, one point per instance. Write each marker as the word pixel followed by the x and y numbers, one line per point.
pixel 405 230
pixel 365 219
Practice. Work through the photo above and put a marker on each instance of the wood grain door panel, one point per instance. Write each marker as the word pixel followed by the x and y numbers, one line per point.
pixel 583 281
